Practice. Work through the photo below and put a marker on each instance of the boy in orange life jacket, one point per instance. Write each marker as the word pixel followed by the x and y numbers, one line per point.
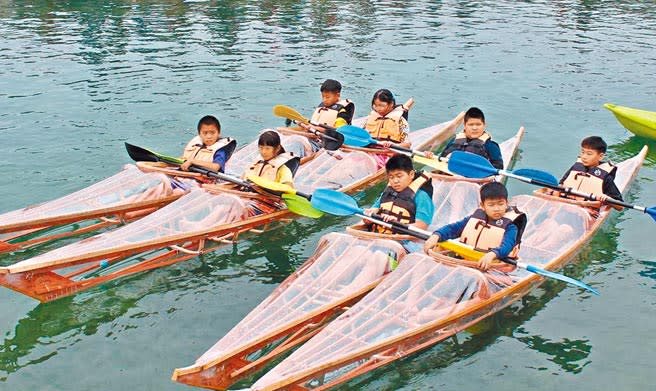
pixel 590 174
pixel 276 164
pixel 495 228
pixel 388 122
pixel 475 139
pixel 208 149
pixel 406 198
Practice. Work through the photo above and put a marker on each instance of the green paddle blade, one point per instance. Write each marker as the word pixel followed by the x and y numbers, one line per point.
pixel 289 113
pixel 301 206
pixel 271 185
pixel 441 165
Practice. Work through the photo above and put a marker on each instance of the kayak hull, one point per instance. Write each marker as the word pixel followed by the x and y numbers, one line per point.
pixel 639 122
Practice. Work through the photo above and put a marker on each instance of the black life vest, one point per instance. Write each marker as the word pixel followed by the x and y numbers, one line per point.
pixel 402 205
pixel 589 180
pixel 462 143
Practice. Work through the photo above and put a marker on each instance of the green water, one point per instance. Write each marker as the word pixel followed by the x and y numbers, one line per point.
pixel 78 78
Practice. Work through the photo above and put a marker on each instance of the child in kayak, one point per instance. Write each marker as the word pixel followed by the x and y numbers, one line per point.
pixel 407 197
pixel 475 139
pixel 333 110
pixel 208 149
pixel 388 122
pixel 496 228
pixel 590 174
pixel 275 164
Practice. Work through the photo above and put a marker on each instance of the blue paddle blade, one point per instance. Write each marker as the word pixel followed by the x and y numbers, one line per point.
pixel 355 136
pixel 652 212
pixel 335 202
pixel 537 175
pixel 560 277
pixel 470 165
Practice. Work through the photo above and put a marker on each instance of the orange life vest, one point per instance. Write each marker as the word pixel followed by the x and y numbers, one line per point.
pixel 388 127
pixel 462 143
pixel 328 115
pixel 269 168
pixel 195 149
pixel 402 205
pixel 588 180
pixel 484 235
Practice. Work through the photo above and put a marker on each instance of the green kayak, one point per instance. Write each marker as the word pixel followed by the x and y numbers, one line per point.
pixel 639 122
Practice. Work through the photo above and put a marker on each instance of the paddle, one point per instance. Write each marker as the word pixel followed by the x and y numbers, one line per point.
pixel 475 166
pixel 340 204
pixel 332 139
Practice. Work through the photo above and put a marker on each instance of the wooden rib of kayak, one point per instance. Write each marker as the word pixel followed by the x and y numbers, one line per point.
pixel 639 122
pixel 425 301
pixel 342 270
pixel 196 223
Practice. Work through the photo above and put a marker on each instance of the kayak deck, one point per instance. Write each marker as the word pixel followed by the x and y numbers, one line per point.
pixel 187 227
pixel 232 358
pixel 423 302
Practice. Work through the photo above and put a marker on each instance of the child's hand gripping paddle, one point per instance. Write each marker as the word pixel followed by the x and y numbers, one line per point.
pixel 331 139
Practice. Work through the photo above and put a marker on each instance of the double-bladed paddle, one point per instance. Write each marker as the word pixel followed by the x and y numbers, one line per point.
pixel 474 166
pixel 340 204
pixel 332 139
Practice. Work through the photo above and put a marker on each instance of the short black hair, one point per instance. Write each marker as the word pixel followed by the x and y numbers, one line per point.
pixel 594 142
pixel 331 85
pixel 384 95
pixel 270 138
pixel 399 162
pixel 474 112
pixel 493 191
pixel 209 120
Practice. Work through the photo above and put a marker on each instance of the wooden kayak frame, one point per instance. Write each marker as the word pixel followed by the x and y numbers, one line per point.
pixel 401 346
pixel 220 373
pixel 45 285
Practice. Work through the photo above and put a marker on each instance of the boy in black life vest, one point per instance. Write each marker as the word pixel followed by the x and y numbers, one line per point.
pixel 590 174
pixel 475 139
pixel 208 149
pixel 333 110
pixel 496 228
pixel 407 197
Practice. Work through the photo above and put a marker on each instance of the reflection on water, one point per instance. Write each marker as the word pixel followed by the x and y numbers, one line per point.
pixel 569 355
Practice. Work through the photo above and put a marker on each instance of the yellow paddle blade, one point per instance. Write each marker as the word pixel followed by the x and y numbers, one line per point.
pixel 462 249
pixel 442 165
pixel 270 185
pixel 288 112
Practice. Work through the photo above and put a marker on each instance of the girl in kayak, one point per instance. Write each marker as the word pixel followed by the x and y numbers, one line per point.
pixel 274 164
pixel 208 149
pixel 388 122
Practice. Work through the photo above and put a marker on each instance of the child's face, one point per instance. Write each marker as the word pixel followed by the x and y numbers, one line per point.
pixel 398 180
pixel 474 128
pixel 382 108
pixel 267 152
pixel 329 98
pixel 495 208
pixel 590 157
pixel 209 134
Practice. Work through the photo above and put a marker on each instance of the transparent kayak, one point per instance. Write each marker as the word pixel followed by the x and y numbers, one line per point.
pixel 424 301
pixel 289 316
pixel 197 222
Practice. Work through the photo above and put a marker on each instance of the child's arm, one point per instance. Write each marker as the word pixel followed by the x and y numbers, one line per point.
pixel 507 244
pixel 424 210
pixel 611 191
pixel 494 152
pixel 284 176
pixel 449 231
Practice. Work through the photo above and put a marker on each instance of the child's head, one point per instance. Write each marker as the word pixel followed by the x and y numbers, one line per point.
pixel 383 102
pixel 474 123
pixel 331 91
pixel 400 172
pixel 209 129
pixel 593 150
pixel 494 200
pixel 269 145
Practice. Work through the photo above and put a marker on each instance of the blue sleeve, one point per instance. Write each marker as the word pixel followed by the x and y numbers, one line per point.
pixel 453 230
pixel 424 207
pixel 377 203
pixel 220 159
pixel 495 154
pixel 507 243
